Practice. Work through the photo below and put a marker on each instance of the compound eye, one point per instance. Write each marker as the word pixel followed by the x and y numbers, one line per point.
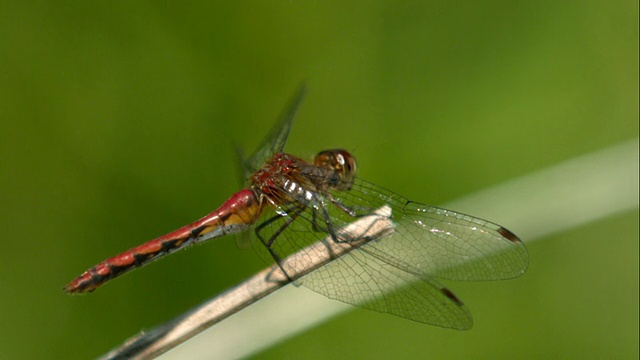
pixel 345 163
pixel 349 164
pixel 342 165
pixel 339 161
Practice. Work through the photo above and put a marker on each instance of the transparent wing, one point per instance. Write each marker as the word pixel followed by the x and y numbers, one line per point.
pixel 369 282
pixel 274 142
pixel 438 242
pixel 395 272
pixel 360 277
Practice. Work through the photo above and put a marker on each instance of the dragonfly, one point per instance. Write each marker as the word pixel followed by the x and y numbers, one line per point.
pixel 290 203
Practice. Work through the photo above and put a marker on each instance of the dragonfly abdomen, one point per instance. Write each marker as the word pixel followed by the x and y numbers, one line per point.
pixel 237 213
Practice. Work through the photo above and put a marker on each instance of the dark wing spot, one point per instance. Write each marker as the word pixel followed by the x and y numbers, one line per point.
pixel 509 235
pixel 448 293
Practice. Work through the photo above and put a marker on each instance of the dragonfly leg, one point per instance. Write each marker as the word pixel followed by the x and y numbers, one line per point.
pixel 269 243
pixel 345 237
pixel 343 207
pixel 327 230
pixel 324 214
pixel 327 220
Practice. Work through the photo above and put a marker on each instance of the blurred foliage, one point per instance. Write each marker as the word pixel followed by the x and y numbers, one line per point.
pixel 118 121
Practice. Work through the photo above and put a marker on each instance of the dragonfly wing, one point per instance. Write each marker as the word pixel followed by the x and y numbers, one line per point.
pixel 363 280
pixel 393 272
pixel 438 242
pixel 359 277
pixel 274 142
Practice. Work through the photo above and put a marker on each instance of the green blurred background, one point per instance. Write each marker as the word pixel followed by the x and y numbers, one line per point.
pixel 118 121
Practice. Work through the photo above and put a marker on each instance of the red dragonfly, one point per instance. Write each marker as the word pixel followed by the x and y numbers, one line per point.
pixel 291 203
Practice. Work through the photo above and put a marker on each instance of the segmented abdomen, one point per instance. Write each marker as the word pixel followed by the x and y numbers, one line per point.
pixel 237 213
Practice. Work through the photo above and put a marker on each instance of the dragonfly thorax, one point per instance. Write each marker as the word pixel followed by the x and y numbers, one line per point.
pixel 287 178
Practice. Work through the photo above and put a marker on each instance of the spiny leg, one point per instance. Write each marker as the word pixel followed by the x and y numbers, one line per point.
pixel 269 243
pixel 346 237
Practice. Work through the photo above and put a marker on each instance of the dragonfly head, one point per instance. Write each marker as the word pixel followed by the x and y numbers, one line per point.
pixel 341 163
